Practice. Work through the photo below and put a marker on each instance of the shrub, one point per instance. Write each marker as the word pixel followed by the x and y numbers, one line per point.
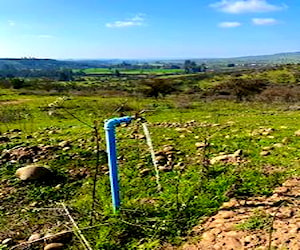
pixel 157 87
pixel 280 94
pixel 240 88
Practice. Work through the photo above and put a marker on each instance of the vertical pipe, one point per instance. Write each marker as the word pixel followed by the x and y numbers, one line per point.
pixel 109 127
pixel 113 168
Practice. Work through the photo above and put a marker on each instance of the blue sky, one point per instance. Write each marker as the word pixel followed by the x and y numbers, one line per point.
pixel 147 29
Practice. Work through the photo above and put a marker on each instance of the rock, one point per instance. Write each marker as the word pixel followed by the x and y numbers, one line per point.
pixel 219 158
pixel 237 153
pixel 33 237
pixel 54 246
pixel 64 144
pixel 208 236
pixel 267 148
pixel 61 237
pixel 201 145
pixel 297 133
pixel 281 190
pixel 230 204
pixel 265 153
pixel 226 214
pixel 285 140
pixel 294 107
pixel 160 159
pixel 145 171
pixel 33 172
pixel 278 145
pixel 7 241
pixel 168 149
pixel 140 136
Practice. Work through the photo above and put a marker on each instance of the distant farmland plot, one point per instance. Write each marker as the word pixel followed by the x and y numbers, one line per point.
pixel 132 71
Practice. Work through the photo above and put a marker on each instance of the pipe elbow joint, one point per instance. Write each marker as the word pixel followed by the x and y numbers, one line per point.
pixel 114 122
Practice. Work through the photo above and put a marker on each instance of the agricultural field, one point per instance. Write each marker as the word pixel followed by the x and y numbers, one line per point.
pixel 91 71
pixel 215 137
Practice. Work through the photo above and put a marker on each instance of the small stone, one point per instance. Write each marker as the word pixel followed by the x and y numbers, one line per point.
pixel 285 140
pixel 145 171
pixel 64 144
pixel 61 237
pixel 267 148
pixel 33 237
pixel 248 239
pixel 226 214
pixel 265 153
pixel 160 158
pixel 168 148
pixel 281 190
pixel 230 204
pixel 297 133
pixel 7 241
pixel 278 145
pixel 208 236
pixel 33 172
pixel 237 153
pixel 54 246
pixel 200 145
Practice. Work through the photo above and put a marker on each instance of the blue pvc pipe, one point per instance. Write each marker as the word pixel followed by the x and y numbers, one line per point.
pixel 109 127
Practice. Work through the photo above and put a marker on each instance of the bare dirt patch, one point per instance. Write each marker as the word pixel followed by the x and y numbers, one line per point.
pixel 256 223
pixel 13 102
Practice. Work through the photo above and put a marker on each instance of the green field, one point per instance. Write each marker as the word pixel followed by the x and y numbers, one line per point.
pixel 132 71
pixel 192 188
pixel 216 136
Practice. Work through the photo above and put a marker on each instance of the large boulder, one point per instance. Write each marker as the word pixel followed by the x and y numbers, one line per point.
pixel 33 172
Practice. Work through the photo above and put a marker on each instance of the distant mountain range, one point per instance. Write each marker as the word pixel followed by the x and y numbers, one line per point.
pixel 280 58
pixel 51 64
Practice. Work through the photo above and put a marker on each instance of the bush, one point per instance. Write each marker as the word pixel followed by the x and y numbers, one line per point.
pixel 17 83
pixel 157 87
pixel 280 94
pixel 240 88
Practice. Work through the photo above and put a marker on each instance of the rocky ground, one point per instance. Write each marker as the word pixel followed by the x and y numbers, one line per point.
pixel 256 223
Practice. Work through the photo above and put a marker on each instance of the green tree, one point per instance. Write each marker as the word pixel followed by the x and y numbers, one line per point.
pixel 157 87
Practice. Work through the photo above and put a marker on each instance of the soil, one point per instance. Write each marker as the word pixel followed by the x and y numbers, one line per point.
pixel 224 231
pixel 13 102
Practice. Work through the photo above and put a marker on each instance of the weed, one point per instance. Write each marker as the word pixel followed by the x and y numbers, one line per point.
pixel 260 220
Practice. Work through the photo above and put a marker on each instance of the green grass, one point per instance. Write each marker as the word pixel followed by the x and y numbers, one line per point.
pixel 260 220
pixel 187 195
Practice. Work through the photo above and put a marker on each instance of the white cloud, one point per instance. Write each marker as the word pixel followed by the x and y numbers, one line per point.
pixel 137 20
pixel 264 21
pixel 246 6
pixel 229 24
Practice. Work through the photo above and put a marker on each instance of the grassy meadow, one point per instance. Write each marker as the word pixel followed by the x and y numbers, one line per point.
pixel 260 139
